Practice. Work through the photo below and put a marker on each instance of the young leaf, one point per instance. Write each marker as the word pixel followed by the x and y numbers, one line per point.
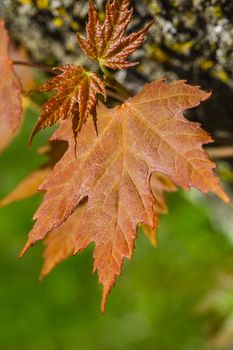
pixel 146 134
pixel 160 183
pixel 75 98
pixel 60 242
pixel 106 42
pixel 10 91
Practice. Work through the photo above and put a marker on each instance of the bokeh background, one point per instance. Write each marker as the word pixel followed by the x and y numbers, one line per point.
pixel 177 296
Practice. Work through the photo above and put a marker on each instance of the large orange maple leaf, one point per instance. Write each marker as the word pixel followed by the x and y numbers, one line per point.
pixel 10 91
pixel 60 242
pixel 146 134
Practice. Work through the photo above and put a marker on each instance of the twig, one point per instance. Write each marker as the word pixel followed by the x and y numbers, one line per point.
pixel 115 96
pixel 111 82
pixel 220 152
pixel 36 65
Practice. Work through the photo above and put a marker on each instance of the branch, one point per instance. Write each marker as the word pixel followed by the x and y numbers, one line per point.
pixel 112 83
pixel 35 65
pixel 220 152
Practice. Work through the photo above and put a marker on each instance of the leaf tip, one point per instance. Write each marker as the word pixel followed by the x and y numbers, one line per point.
pixel 43 273
pixel 222 195
pixel 34 132
pixel 105 295
pixel 206 95
pixel 151 232
pixel 3 202
pixel 149 24
pixel 25 248
pixel 153 240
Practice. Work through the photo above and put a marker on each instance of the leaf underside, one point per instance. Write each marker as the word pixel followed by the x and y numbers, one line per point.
pixel 106 42
pixel 10 94
pixel 160 184
pixel 147 134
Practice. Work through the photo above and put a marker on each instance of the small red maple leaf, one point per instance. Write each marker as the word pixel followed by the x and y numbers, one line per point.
pixel 106 42
pixel 76 98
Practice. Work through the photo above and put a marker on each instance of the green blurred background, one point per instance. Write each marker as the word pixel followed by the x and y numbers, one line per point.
pixel 178 296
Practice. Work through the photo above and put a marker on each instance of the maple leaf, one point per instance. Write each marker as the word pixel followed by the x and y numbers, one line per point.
pixel 10 91
pixel 160 183
pixel 106 42
pixel 27 187
pixel 60 242
pixel 75 98
pixel 146 134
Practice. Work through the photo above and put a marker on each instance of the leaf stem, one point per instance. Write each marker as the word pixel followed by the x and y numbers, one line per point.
pixel 111 82
pixel 35 65
pixel 115 95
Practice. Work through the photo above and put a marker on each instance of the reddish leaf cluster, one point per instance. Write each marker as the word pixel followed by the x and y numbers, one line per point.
pixel 106 42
